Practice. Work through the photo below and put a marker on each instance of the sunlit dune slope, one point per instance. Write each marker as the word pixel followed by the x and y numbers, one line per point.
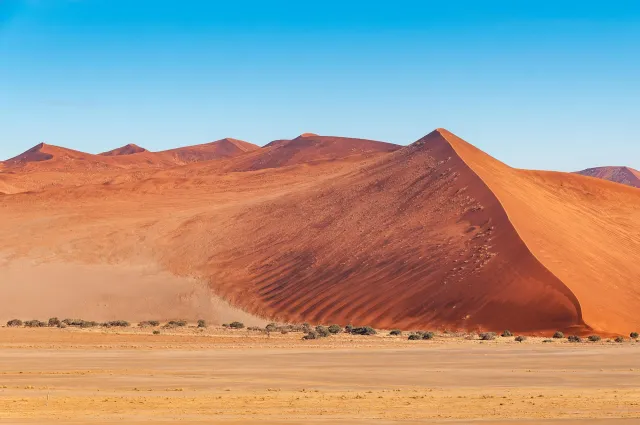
pixel 624 175
pixel 129 149
pixel 413 240
pixel 307 148
pixel 585 231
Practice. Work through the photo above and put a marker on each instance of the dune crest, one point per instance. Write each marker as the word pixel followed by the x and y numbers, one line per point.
pixel 129 149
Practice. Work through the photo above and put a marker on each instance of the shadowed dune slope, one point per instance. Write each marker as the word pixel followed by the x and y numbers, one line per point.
pixel 413 240
pixel 624 175
pixel 583 230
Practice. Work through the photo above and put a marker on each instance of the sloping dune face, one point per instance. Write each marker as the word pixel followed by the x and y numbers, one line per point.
pixel 413 240
pixel 129 149
pixel 324 229
pixel 584 231
pixel 623 175
pixel 308 148
pixel 224 148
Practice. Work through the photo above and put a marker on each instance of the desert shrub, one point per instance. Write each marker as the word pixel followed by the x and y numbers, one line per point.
pixel 520 338
pixel 322 331
pixel 427 335
pixel 34 324
pixel 116 324
pixel 487 336
pixel 80 323
pixel 306 327
pixel 414 337
pixel 311 335
pixel 364 330
pixel 619 339
pixel 149 324
pixel 202 323
pixel 335 329
pixel 594 338
pixel 53 322
pixel 62 325
pixel 395 332
pixel 348 328
pixel 14 323
pixel 558 335
pixel 574 338
pixel 236 325
pixel 176 324
pixel 271 327
pixel 225 325
pixel 633 335
pixel 156 332
pixel 256 329
pixel 547 340
pixel 506 334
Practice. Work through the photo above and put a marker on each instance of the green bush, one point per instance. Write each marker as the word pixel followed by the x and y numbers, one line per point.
pixel 202 323
pixel 574 338
pixel 506 334
pixel 364 330
pixel 335 329
pixel 521 338
pixel 414 337
pixel 236 325
pixel 149 324
pixel 53 322
pixel 487 336
pixel 14 323
pixel 348 328
pixel 594 338
pixel 633 335
pixel 558 335
pixel 395 332
pixel 619 339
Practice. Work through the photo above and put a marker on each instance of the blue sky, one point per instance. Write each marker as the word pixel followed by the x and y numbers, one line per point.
pixel 537 84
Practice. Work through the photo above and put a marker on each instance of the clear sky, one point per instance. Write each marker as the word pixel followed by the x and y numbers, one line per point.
pixel 537 84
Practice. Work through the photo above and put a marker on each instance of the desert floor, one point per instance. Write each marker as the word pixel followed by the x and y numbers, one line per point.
pixel 193 376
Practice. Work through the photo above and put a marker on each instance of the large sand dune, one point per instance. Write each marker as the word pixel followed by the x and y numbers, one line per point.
pixel 435 234
pixel 624 175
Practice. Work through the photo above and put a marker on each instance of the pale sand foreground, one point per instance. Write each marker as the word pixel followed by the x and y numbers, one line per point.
pixel 239 377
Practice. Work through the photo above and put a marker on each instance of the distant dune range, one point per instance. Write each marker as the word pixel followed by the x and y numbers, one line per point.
pixel 624 175
pixel 436 234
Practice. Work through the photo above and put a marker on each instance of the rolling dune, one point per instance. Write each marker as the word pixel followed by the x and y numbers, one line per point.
pixel 323 229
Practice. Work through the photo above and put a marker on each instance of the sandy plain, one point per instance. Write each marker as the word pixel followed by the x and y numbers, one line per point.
pixel 193 376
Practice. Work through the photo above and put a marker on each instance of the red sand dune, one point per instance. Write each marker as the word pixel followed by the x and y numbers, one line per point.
pixel 129 149
pixel 624 175
pixel 307 148
pixel 435 234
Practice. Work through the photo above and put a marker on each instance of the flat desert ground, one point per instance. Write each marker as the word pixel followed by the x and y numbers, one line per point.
pixel 217 375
